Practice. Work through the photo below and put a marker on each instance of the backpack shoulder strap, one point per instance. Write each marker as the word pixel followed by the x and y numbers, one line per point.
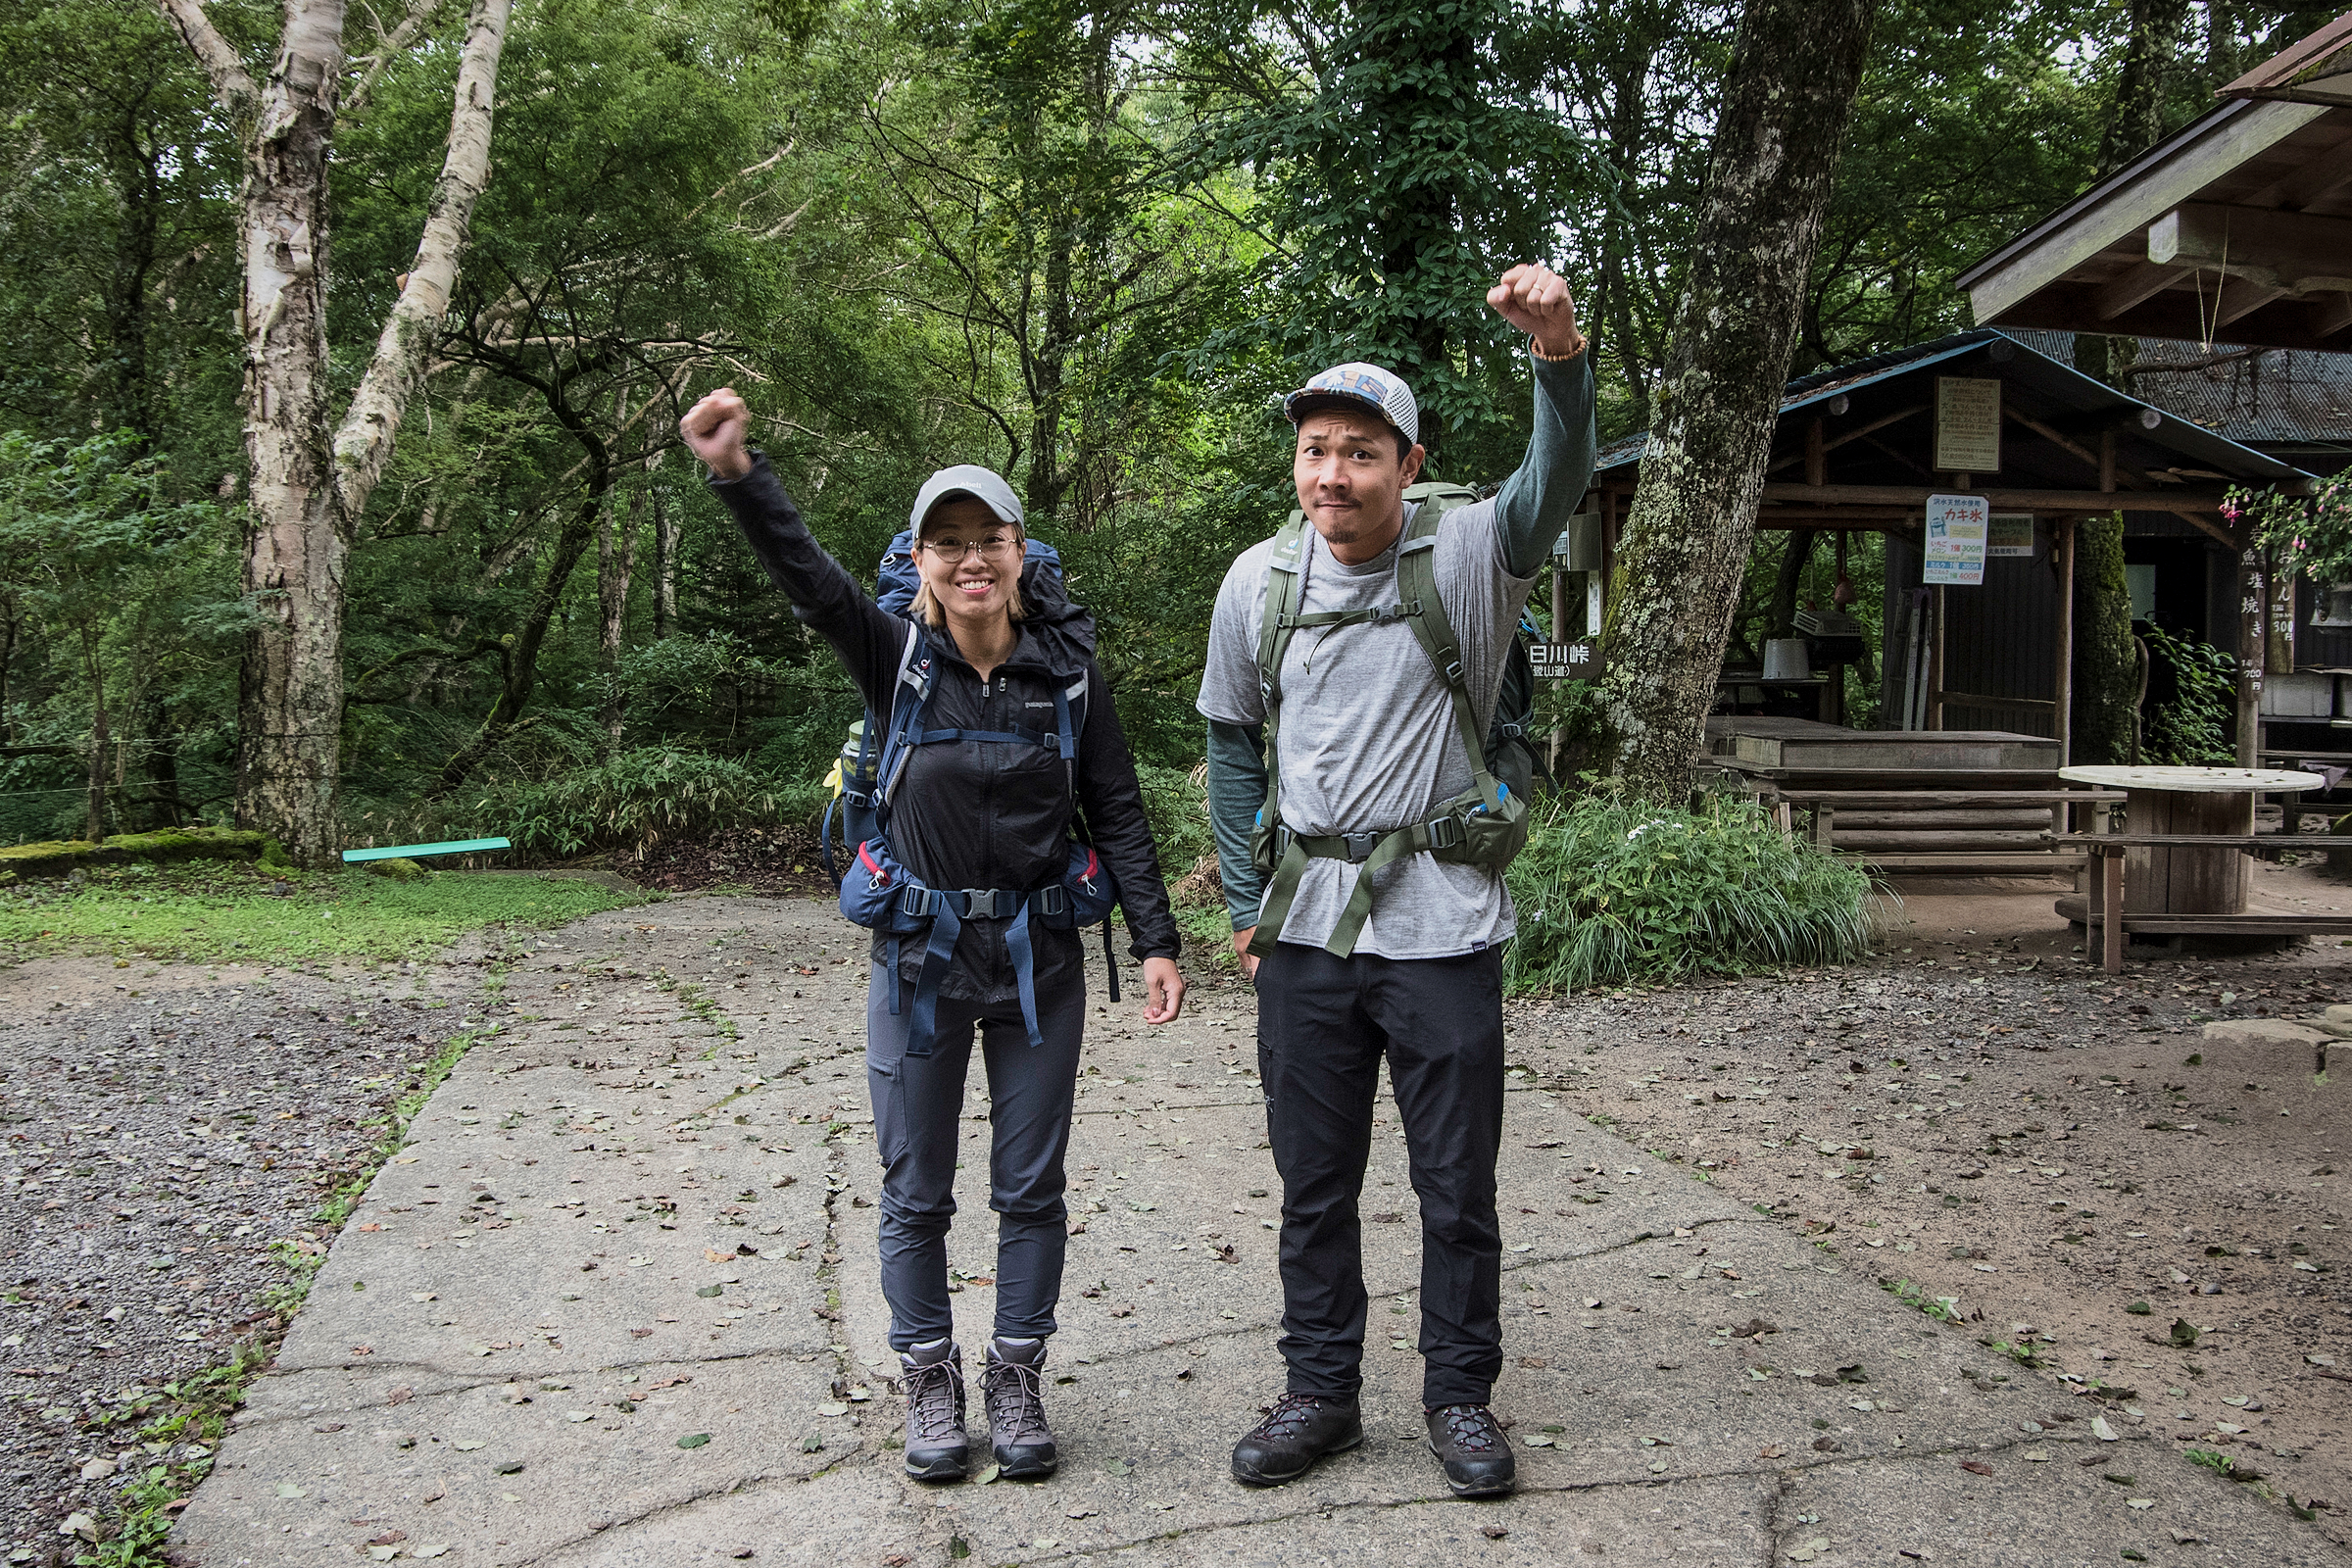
pixel 1283 574
pixel 910 702
pixel 1423 606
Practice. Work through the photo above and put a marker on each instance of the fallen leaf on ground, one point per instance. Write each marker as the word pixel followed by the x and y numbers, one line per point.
pixel 1977 1467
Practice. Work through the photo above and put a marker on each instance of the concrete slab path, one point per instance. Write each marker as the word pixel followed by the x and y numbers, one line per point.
pixel 616 1304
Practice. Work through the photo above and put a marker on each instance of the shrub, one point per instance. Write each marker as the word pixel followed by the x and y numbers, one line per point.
pixel 1177 802
pixel 2192 728
pixel 641 796
pixel 1610 891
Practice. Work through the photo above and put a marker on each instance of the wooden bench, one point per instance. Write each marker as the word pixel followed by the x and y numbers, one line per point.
pixel 2105 894
pixel 1949 832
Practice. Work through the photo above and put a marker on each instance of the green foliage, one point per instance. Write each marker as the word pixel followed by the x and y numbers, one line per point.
pixel 2307 536
pixel 1942 1308
pixel 1609 892
pixel 1177 802
pixel 2194 727
pixel 641 796
pixel 212 913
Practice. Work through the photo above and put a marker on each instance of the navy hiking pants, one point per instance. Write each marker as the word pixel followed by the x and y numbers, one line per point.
pixel 918 1125
pixel 1323 1026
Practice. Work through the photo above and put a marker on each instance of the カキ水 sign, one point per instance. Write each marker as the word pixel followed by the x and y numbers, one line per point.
pixel 1956 530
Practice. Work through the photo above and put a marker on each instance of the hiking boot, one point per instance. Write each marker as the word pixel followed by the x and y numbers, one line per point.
pixel 1470 1442
pixel 1022 1442
pixel 937 1449
pixel 1298 1429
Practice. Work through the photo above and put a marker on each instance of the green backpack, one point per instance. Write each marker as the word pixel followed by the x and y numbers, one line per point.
pixel 1485 825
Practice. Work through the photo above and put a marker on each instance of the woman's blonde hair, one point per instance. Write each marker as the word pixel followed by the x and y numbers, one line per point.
pixel 929 609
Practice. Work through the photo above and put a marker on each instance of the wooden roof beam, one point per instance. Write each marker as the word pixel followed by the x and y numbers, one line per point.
pixel 2143 282
pixel 2113 214
pixel 1856 434
pixel 2293 253
pixel 2230 304
pixel 2022 500
pixel 2332 318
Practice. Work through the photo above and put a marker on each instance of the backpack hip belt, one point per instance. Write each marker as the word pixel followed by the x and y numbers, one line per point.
pixel 1485 825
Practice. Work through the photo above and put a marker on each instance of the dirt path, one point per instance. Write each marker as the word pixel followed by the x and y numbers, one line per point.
pixel 1984 1116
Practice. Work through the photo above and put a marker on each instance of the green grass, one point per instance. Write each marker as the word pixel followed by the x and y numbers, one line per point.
pixel 210 914
pixel 1611 892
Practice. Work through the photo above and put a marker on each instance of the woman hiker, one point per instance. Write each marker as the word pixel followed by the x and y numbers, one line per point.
pixel 1013 734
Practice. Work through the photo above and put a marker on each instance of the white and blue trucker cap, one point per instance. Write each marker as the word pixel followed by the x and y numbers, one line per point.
pixel 1359 382
pixel 984 485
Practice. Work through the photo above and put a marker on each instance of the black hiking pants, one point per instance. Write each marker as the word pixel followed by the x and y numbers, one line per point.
pixel 1323 1026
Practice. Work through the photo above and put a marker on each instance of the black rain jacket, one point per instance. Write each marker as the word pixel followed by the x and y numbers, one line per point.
pixel 973 813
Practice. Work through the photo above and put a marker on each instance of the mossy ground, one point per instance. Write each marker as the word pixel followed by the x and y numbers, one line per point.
pixel 211 911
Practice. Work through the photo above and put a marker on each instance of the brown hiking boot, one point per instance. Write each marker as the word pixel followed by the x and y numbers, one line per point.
pixel 1298 1429
pixel 1011 1385
pixel 937 1449
pixel 1472 1447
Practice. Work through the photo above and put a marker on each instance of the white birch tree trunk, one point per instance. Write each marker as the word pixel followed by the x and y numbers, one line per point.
pixel 307 481
pixel 1796 67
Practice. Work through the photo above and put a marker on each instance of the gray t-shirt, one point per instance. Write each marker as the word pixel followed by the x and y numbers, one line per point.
pixel 1368 740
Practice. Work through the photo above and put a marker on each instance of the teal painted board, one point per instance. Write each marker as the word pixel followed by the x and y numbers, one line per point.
pixel 412 850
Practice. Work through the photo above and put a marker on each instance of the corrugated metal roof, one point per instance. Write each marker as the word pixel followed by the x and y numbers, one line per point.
pixel 2031 367
pixel 2267 397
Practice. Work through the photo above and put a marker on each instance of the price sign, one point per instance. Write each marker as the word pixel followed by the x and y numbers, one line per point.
pixel 2010 534
pixel 1956 529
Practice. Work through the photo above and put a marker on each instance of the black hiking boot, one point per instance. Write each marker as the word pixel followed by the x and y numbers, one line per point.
pixel 1298 1429
pixel 1472 1446
pixel 1010 1383
pixel 937 1449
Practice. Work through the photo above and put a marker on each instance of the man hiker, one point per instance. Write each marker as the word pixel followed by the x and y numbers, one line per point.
pixel 1366 886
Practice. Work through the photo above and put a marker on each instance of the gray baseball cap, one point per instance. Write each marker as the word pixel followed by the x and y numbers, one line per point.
pixel 984 485
pixel 1384 391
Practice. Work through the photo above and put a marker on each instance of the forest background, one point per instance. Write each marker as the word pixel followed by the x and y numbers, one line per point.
pixel 1086 244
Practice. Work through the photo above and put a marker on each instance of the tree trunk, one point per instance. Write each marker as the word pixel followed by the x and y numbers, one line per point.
pixel 309 483
pixel 613 566
pixel 8 656
pixel 2151 52
pixel 93 667
pixel 1777 141
pixel 2106 659
pixel 522 664
pixel 665 567
pixel 1793 556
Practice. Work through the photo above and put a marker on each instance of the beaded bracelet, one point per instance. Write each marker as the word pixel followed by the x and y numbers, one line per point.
pixel 1581 343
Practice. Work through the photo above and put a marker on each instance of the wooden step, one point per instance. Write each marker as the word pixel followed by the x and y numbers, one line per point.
pixel 1943 839
pixel 2027 817
pixel 2254 923
pixel 1989 863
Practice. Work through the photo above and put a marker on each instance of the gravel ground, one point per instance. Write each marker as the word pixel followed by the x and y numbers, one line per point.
pixel 161 1129
pixel 2066 1155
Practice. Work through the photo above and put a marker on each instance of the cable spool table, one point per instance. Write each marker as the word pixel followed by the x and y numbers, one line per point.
pixel 2197 801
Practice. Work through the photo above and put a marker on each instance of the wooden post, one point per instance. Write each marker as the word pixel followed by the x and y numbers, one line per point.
pixel 1935 657
pixel 1817 454
pixel 2064 527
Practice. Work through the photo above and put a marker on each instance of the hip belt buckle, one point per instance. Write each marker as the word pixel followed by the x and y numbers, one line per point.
pixel 1361 846
pixel 987 903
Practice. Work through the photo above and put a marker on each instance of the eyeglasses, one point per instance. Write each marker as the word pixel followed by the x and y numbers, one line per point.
pixel 995 546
